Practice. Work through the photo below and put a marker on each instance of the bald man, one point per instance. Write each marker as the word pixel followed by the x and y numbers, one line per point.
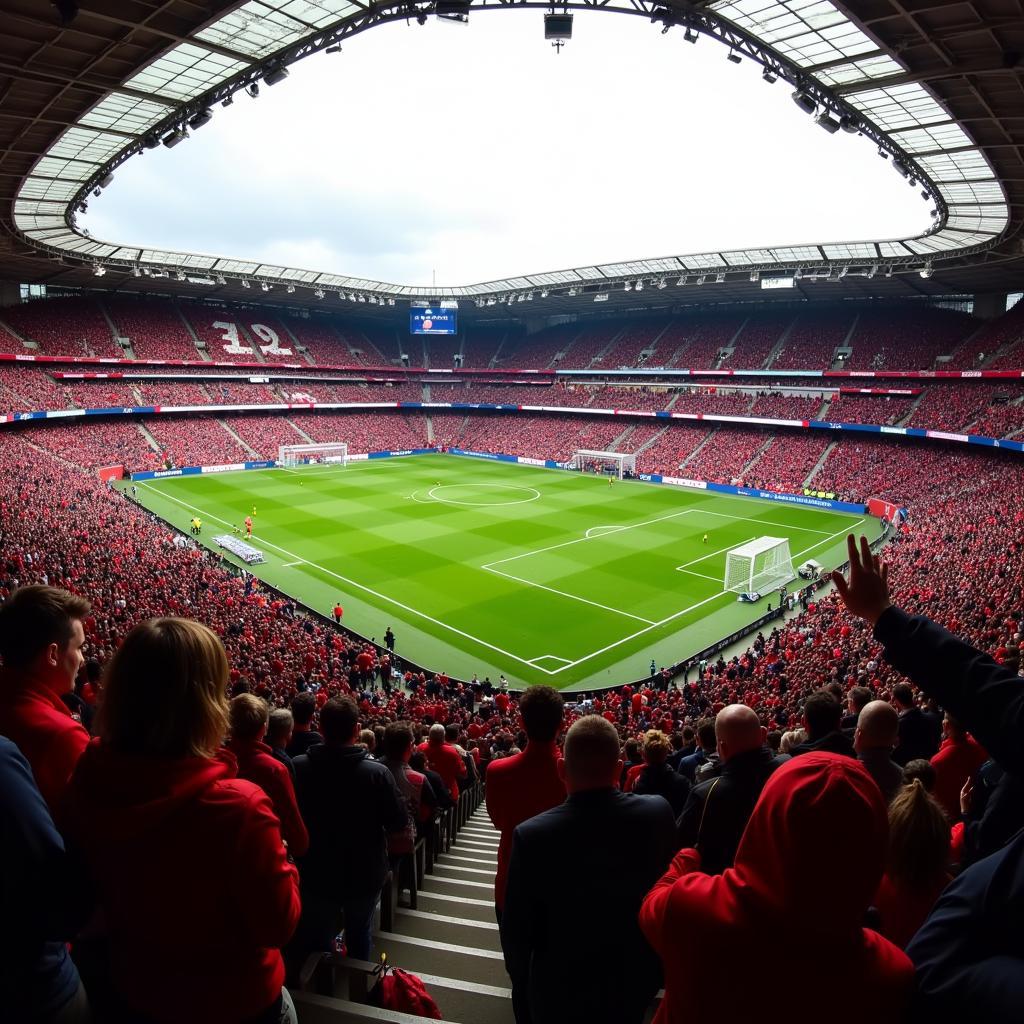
pixel 874 739
pixel 717 810
pixel 562 935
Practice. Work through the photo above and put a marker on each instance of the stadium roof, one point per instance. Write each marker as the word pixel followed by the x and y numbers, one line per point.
pixel 938 87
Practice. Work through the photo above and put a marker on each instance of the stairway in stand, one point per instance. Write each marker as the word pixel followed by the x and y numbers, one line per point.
pixel 446 934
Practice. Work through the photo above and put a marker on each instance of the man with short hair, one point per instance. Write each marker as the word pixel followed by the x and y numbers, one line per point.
pixel 304 735
pixel 717 810
pixel 349 804
pixel 918 736
pixel 822 714
pixel 248 718
pixel 526 784
pixel 443 759
pixel 558 938
pixel 41 641
pixel 280 727
pixel 706 747
pixel 856 700
pixel 876 735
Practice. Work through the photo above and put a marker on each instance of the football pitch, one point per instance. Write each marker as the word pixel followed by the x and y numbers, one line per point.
pixel 542 575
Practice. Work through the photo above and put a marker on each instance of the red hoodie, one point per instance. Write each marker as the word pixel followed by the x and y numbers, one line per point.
pixel 807 867
pixel 955 763
pixel 192 878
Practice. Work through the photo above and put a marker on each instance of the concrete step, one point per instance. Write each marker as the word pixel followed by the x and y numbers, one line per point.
pixel 472 829
pixel 428 956
pixel 475 843
pixel 479 907
pixel 457 887
pixel 470 858
pixel 452 870
pixel 459 930
pixel 314 1009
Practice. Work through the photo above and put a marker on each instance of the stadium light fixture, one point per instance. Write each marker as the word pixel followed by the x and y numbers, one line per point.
pixel 333 49
pixel 98 270
pixel 639 286
pixel 266 287
pixel 573 292
pixel 924 194
pixel 360 298
pixel 627 286
pixel 755 276
pixel 768 76
pixel 882 153
pixel 601 297
pixel 901 168
pixel 319 293
pixel 872 270
pixel 558 26
pixel 826 121
pixel 521 297
pixel 719 278
pixel 452 10
pixel 700 280
pixel 681 281
pixel 290 289
pixel 151 141
pixel 529 296
pixel 173 138
pixel 227 101
pixel 805 101
pixel 253 89
pixel 204 117
pixel 220 279
pixel 275 75
pixel 849 124
pixel 734 57
pixel 690 36
pixel 245 284
pixel 180 275
pixel 926 271
pixel 391 302
pixel 544 293
pixel 136 272
pixel 662 283
pixel 492 301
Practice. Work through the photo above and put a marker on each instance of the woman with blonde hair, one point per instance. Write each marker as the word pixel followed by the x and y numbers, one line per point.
pixel 917 863
pixel 656 777
pixel 194 885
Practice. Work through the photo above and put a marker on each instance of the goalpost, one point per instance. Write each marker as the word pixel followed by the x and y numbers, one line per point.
pixel 622 462
pixel 303 454
pixel 759 566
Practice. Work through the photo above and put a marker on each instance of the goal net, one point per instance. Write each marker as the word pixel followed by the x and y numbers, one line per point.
pixel 307 454
pixel 618 463
pixel 759 566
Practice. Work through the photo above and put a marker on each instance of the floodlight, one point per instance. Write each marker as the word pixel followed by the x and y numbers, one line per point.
pixel 204 116
pixel 361 298
pixel 492 301
pixel 244 283
pixel 333 49
pixel 872 270
pixel 573 292
pixel 319 293
pixel 901 168
pixel 521 297
pixel 628 286
pixel 98 270
pixel 227 101
pixel 290 289
pixel 734 57
pixel 805 101
pixel 452 10
pixel 221 279
pixel 544 293
pixel 601 297
pixel 105 180
pixel 700 280
pixel 529 296
pixel 681 281
pixel 768 76
pixel 830 124
pixel 180 275
pixel 391 302
pixel 913 182
pixel 151 141
pixel 558 26
pixel 253 89
pixel 266 287
pixel 719 278
pixel 882 153
pixel 924 193
pixel 136 272
pixel 755 275
pixel 849 124
pixel 275 75
pixel 639 286
pixel 926 271
pixel 173 138
pixel 690 36
pixel 662 283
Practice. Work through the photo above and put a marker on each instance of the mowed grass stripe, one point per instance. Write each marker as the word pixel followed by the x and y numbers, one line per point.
pixel 422 563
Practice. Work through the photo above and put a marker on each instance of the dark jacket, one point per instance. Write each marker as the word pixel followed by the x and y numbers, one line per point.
pixel 718 810
pixel 996 814
pixel 688 765
pixel 883 769
pixel 560 932
pixel 919 737
pixel 836 742
pixel 661 780
pixel 969 954
pixel 37 898
pixel 349 803
pixel 302 741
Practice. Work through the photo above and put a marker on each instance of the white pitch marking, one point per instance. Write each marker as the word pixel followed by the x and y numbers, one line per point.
pixel 703 576
pixel 548 657
pixel 764 522
pixel 288 565
pixel 710 554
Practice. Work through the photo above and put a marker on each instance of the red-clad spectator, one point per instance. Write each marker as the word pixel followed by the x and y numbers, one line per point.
pixel 41 641
pixel 256 762
pixel 192 878
pixel 959 757
pixel 443 759
pixel 917 866
pixel 526 784
pixel 820 817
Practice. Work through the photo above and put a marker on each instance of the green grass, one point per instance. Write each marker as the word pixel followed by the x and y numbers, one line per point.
pixel 542 575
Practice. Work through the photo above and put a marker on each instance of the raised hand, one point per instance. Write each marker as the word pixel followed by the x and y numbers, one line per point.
pixel 867 592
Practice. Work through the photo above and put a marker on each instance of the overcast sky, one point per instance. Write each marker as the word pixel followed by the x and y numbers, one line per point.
pixel 478 152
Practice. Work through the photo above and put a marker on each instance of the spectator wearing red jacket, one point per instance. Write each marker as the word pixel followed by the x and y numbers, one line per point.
pixel 248 719
pixel 958 759
pixel 526 784
pixel 192 878
pixel 444 759
pixel 820 817
pixel 41 641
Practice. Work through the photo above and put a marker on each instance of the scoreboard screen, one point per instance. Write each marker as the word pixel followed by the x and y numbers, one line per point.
pixel 433 320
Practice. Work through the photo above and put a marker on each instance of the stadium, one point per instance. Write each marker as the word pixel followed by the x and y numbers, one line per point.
pixel 458 550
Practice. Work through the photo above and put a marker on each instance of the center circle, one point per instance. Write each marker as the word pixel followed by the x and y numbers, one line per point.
pixel 469 490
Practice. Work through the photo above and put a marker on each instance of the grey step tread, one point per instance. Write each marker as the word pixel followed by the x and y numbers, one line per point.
pixel 484 860
pixel 444 883
pixel 476 874
pixel 442 959
pixel 459 930
pixel 314 1009
pixel 446 903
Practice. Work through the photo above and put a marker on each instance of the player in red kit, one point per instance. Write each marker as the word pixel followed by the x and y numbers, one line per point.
pixel 248 526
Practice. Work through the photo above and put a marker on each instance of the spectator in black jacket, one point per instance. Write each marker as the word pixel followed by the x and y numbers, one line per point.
pixel 873 739
pixel 656 778
pixel 349 803
pixel 822 715
pixel 718 809
pixel 279 735
pixel 304 735
pixel 969 954
pixel 706 743
pixel 559 936
pixel 920 732
pixel 40 897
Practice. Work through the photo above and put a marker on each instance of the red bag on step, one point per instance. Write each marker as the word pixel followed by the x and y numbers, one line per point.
pixel 402 991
